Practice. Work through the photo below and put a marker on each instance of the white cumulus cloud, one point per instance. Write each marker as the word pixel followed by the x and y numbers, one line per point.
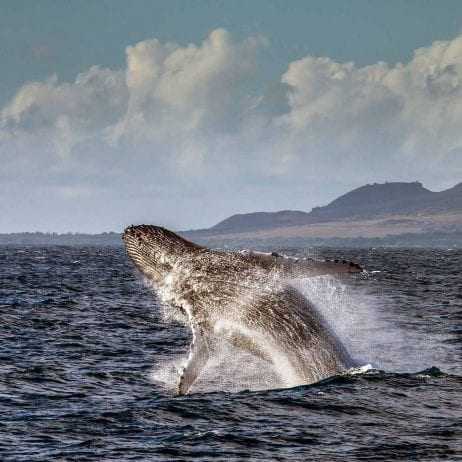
pixel 406 113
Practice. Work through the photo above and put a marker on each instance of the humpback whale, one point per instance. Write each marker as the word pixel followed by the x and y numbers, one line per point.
pixel 244 297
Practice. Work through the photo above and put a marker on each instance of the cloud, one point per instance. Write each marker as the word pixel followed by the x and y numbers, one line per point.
pixel 193 119
pixel 166 105
pixel 405 113
pixel 184 81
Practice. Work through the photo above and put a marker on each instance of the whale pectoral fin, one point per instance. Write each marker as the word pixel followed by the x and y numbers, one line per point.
pixel 198 356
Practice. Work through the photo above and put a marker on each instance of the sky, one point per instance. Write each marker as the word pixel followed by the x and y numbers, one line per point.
pixel 182 113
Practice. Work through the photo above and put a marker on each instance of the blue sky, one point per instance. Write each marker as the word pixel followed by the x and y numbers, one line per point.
pixel 182 113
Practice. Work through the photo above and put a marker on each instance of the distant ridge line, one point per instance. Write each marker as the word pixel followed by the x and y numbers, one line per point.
pixel 365 202
pixel 373 214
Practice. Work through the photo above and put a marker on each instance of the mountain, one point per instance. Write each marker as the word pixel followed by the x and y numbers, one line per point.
pixel 389 199
pixel 261 220
pixel 368 202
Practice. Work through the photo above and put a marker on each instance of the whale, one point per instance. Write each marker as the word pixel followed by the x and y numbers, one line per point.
pixel 245 297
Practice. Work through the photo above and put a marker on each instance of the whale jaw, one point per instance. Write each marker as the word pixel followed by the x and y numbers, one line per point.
pixel 155 250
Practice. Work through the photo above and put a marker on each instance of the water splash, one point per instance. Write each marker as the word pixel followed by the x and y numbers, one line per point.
pixel 352 314
pixel 228 369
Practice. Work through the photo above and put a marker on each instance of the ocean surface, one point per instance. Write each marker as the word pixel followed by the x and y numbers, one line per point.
pixel 89 360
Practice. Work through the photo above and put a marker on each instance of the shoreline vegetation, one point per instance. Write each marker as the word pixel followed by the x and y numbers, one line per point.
pixel 434 239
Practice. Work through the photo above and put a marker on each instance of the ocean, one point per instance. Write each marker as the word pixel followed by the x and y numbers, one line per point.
pixel 89 361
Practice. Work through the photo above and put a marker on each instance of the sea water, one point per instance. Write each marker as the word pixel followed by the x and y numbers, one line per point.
pixel 89 362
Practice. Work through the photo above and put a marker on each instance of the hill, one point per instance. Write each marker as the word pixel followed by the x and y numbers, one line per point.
pixel 403 207
pixel 260 220
pixel 371 201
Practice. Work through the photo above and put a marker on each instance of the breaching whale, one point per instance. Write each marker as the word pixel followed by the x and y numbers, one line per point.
pixel 245 297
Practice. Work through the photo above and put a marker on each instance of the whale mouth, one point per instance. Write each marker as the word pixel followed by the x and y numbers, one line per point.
pixel 146 238
pixel 142 246
pixel 153 249
pixel 141 230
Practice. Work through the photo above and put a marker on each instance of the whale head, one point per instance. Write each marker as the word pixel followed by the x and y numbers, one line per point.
pixel 155 251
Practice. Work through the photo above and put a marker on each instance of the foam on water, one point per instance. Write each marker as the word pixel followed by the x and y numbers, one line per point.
pixel 360 369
